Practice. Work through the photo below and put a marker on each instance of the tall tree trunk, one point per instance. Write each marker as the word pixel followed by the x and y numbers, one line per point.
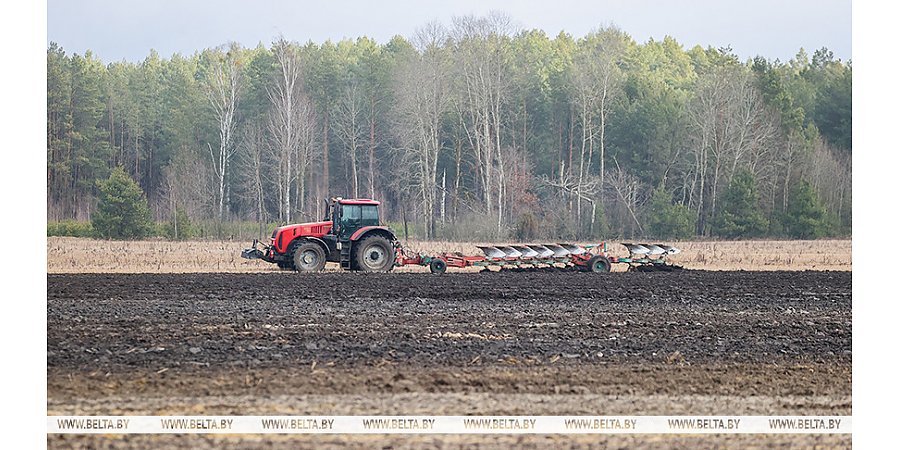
pixel 354 172
pixel 457 180
pixel 325 187
pixel 443 197
pixel 372 150
pixel 524 126
pixel 585 129
pixel 289 171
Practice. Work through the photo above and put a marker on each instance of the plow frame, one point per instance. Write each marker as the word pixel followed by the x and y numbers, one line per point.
pixel 439 263
pixel 592 255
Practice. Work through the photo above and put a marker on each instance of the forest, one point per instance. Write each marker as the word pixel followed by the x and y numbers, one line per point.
pixel 471 130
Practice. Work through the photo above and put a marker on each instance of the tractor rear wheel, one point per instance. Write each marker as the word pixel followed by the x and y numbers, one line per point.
pixel 374 254
pixel 599 263
pixel 309 257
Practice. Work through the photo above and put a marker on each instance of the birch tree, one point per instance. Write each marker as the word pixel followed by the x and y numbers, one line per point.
pixel 223 84
pixel 597 80
pixel 255 162
pixel 349 123
pixel 290 127
pixel 422 94
pixel 731 126
pixel 481 47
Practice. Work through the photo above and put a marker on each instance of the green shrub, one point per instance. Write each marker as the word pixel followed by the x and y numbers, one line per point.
pixel 70 228
pixel 179 229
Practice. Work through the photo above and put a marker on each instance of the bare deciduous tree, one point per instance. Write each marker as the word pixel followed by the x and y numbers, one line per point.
pixel 188 185
pixel 349 122
pixel 291 127
pixel 830 172
pixel 596 83
pixel 582 188
pixel 731 126
pixel 629 193
pixel 223 85
pixel 483 61
pixel 422 101
pixel 255 159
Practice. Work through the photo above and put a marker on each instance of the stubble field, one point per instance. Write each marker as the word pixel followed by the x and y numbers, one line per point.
pixel 78 255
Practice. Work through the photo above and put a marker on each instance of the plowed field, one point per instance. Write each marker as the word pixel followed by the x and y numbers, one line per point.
pixel 692 342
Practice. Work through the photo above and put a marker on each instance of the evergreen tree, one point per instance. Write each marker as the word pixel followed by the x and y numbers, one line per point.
pixel 89 155
pixel 805 218
pixel 740 215
pixel 122 212
pixel 667 220
pixel 834 110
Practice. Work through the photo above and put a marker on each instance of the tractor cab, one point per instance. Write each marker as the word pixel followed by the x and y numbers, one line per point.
pixel 349 216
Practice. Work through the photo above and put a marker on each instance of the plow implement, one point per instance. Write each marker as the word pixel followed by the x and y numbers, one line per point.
pixel 590 258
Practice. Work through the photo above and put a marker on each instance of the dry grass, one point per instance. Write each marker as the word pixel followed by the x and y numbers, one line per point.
pixel 79 255
pixel 766 255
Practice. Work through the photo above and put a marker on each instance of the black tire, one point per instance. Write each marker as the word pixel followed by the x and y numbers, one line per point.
pixel 374 254
pixel 309 257
pixel 438 266
pixel 599 263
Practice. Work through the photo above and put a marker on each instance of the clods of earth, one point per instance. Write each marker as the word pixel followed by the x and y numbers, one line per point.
pixel 544 343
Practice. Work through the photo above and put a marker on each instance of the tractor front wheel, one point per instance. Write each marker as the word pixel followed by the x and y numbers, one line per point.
pixel 309 257
pixel 374 254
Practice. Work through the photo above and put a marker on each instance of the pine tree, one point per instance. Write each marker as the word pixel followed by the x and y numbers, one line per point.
pixel 805 218
pixel 667 220
pixel 740 215
pixel 122 212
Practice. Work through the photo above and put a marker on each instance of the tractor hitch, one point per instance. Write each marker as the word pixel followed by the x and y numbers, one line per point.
pixel 255 253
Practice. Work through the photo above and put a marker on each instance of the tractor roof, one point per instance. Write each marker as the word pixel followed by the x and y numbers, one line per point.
pixel 358 201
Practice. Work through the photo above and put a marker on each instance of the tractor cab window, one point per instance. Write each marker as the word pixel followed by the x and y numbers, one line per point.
pixel 370 214
pixel 354 217
pixel 352 213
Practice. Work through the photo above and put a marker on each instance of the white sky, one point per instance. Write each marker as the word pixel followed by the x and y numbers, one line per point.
pixel 128 29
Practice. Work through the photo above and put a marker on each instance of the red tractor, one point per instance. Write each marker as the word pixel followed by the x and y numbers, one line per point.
pixel 350 234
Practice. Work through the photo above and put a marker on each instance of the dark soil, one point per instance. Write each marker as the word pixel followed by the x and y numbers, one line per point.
pixel 159 343
pixel 120 322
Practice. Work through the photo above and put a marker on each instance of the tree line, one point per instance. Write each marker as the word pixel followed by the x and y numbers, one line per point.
pixel 472 130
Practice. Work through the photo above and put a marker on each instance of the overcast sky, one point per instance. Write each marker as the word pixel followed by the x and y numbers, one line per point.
pixel 128 29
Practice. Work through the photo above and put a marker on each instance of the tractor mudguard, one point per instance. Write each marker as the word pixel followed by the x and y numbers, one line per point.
pixel 365 230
